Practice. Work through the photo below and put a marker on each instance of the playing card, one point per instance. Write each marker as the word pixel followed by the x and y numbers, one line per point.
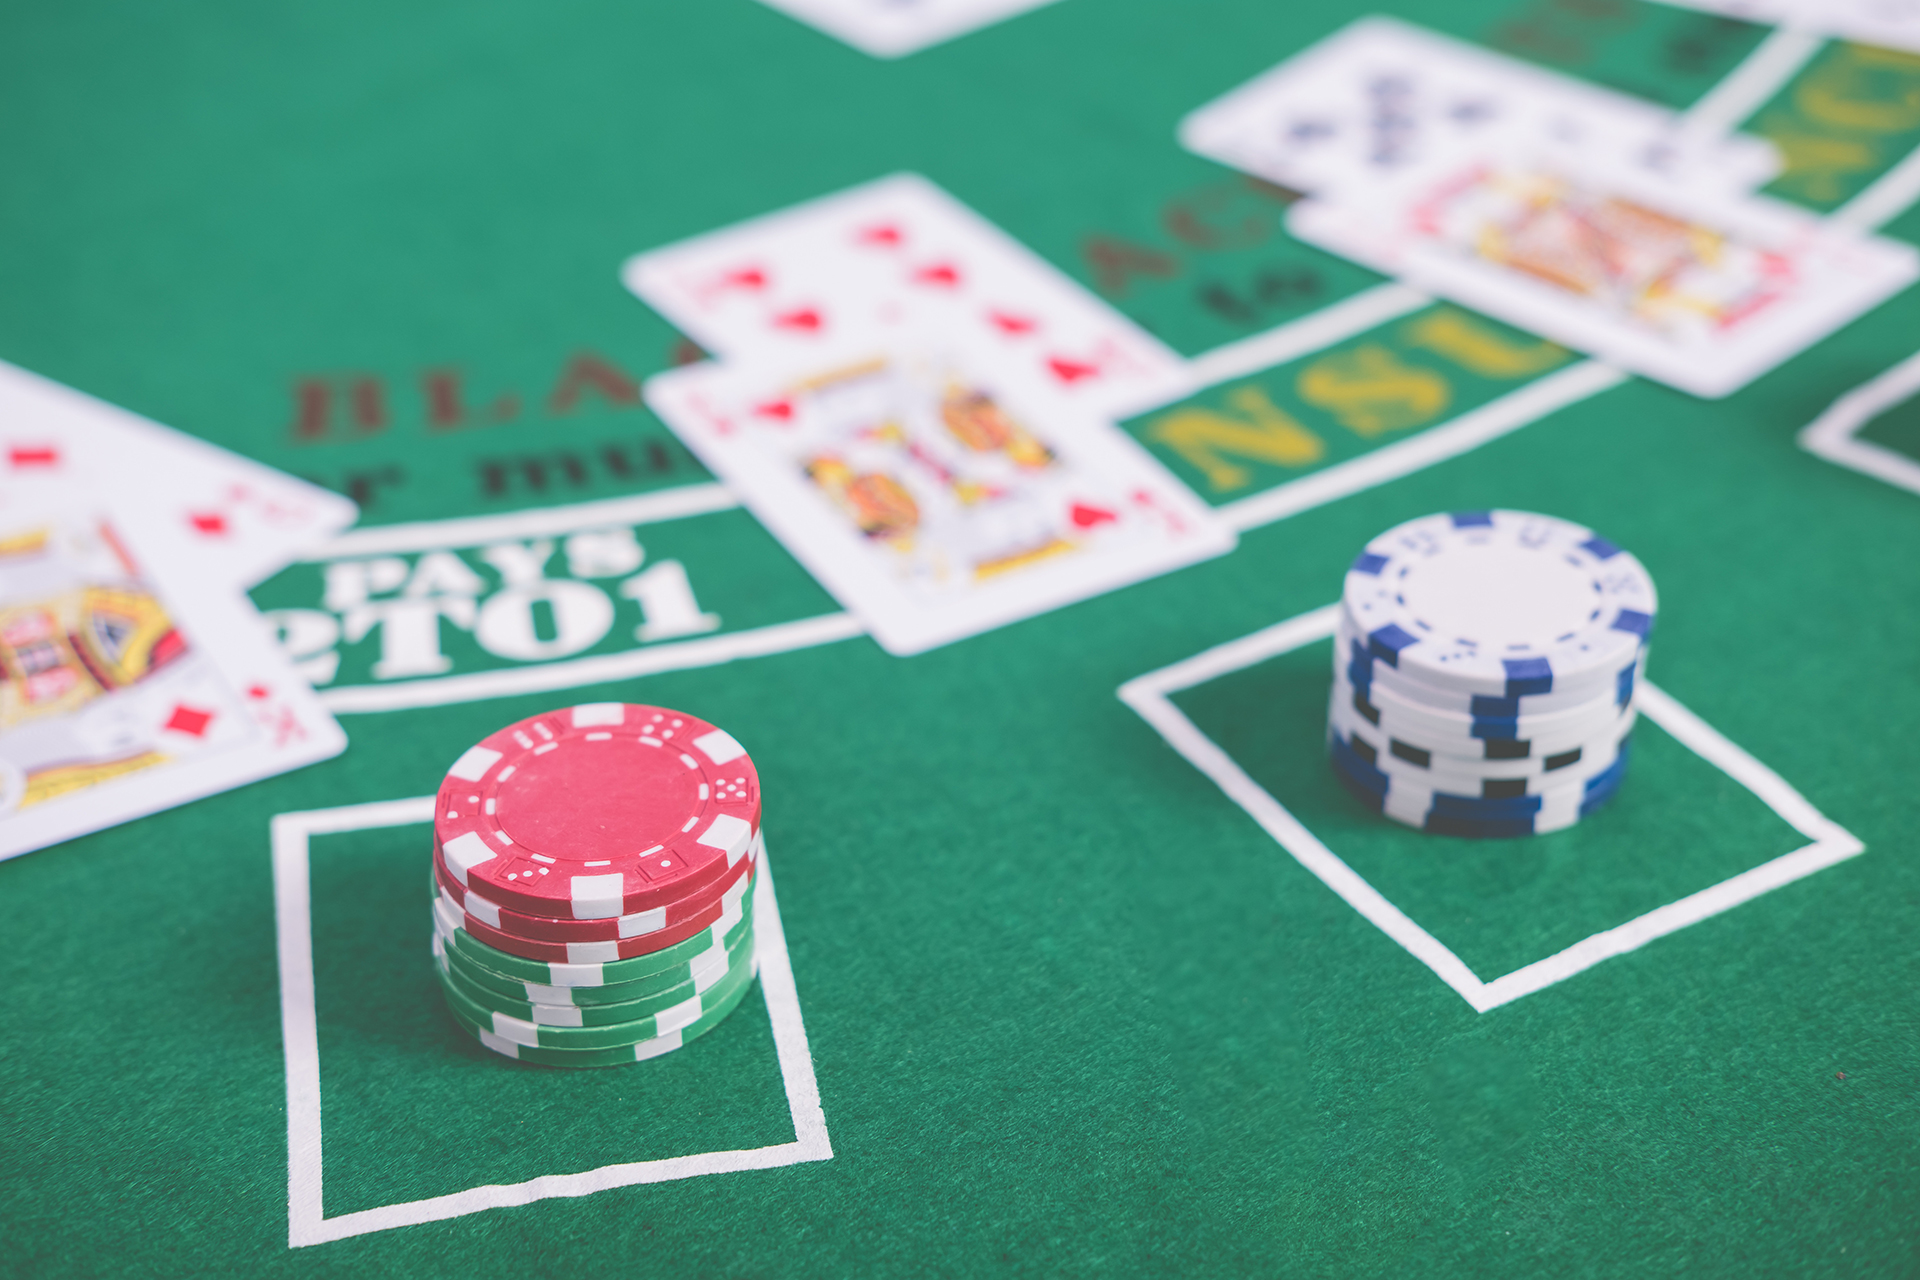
pixel 1891 24
pixel 1380 99
pixel 890 255
pixel 133 681
pixel 1701 291
pixel 934 489
pixel 245 521
pixel 891 28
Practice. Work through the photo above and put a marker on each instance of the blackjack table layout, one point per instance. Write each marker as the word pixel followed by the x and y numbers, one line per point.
pixel 1082 959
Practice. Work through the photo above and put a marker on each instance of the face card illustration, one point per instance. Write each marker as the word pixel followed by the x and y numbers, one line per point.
pixel 895 254
pixel 934 492
pixel 132 683
pixel 1702 293
pixel 894 28
pixel 245 520
pixel 1380 99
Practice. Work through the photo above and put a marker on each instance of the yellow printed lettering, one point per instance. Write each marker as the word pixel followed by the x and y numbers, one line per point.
pixel 1267 432
pixel 1817 168
pixel 1475 347
pixel 1865 90
pixel 1370 390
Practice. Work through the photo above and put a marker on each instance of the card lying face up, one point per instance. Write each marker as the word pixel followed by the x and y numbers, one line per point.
pixel 133 679
pixel 934 491
pixel 891 255
pixel 1699 291
pixel 1380 99
pixel 245 521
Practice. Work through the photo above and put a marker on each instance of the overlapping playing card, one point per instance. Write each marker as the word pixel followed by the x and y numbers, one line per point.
pixel 137 674
pixel 1887 24
pixel 1597 220
pixel 922 411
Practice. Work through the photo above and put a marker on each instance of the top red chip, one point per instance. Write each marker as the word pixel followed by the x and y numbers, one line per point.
pixel 597 810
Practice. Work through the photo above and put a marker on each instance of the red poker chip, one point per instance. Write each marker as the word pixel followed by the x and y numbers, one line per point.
pixel 636 924
pixel 451 916
pixel 597 811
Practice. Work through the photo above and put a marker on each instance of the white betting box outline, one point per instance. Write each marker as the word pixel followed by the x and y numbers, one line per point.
pixel 1831 843
pixel 307 1222
pixel 1834 435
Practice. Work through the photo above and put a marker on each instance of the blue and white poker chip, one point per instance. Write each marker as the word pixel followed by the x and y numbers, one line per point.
pixel 1466 752
pixel 1450 813
pixel 1504 604
pixel 1384 707
pixel 1486 778
pixel 1364 671
pixel 1485 667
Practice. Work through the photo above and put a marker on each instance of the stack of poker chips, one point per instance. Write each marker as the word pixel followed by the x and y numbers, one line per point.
pixel 593 873
pixel 1484 672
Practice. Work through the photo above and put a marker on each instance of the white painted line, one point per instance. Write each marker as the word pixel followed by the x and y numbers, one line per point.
pixel 538 522
pixel 789 1031
pixel 1834 435
pixel 1205 755
pixel 1332 323
pixel 1886 197
pixel 1753 83
pixel 1710 745
pixel 1234 655
pixel 306 1221
pixel 291 835
pixel 760 642
pixel 1469 431
pixel 1661 921
pixel 1832 843
pixel 1337 322
pixel 299 1024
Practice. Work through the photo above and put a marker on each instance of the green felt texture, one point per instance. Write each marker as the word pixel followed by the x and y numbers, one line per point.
pixel 1897 428
pixel 1072 1012
pixel 1667 54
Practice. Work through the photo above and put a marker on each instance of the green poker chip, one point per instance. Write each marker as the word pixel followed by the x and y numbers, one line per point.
pixel 714 1010
pixel 695 979
pixel 608 1036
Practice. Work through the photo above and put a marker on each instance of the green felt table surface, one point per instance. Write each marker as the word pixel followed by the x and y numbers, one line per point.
pixel 1070 1008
